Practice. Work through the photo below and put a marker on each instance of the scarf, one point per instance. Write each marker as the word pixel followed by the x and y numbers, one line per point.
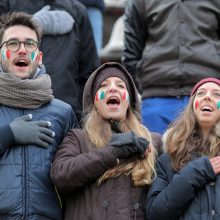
pixel 27 93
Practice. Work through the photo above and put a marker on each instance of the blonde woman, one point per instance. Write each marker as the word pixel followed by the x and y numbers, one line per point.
pixel 187 186
pixel 105 168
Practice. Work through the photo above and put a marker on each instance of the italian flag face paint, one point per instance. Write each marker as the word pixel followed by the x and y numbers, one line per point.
pixel 100 95
pixel 218 104
pixel 196 104
pixel 6 54
pixel 3 54
pixel 125 96
pixel 34 56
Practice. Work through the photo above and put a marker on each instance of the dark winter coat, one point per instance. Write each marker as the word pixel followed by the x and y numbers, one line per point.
pixel 78 165
pixel 69 58
pixel 169 45
pixel 193 193
pixel 26 191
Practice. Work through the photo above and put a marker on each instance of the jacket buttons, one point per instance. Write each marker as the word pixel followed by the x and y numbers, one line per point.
pixel 213 212
pixel 212 184
pixel 136 206
pixel 105 203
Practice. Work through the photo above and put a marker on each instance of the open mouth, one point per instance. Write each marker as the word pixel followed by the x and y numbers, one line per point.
pixel 113 101
pixel 207 109
pixel 21 63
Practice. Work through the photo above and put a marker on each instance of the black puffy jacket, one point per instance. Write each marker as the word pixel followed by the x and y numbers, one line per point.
pixel 189 194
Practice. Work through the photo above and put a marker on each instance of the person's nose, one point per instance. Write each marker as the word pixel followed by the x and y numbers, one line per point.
pixel 113 88
pixel 207 96
pixel 22 49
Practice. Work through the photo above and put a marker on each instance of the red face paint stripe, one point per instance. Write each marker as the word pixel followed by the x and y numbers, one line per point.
pixel 196 104
pixel 8 54
pixel 124 96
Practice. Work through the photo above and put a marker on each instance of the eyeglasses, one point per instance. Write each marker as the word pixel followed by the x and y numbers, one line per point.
pixel 14 45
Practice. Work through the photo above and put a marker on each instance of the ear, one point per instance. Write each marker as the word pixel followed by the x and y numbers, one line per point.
pixel 40 57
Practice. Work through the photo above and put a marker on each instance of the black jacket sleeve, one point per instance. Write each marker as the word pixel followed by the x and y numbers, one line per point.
pixel 88 57
pixel 135 36
pixel 171 193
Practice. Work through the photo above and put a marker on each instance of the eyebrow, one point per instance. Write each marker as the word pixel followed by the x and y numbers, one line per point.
pixel 117 81
pixel 26 39
pixel 202 89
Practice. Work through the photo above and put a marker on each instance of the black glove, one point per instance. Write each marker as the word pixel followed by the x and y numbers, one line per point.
pixel 128 144
pixel 26 131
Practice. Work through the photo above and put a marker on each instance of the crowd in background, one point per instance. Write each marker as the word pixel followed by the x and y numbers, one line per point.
pixel 99 126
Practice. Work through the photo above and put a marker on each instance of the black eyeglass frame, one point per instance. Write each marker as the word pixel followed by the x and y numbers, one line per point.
pixel 19 43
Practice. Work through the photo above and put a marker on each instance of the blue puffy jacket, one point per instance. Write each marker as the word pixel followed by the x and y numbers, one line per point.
pixel 26 191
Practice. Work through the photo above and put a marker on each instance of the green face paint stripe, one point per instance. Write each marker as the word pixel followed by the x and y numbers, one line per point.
pixel 33 54
pixel 218 104
pixel 3 54
pixel 102 95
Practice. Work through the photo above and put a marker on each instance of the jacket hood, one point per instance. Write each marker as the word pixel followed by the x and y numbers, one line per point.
pixel 88 99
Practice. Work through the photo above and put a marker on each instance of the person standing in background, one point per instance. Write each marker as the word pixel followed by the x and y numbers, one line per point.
pixel 168 47
pixel 69 58
pixel 95 10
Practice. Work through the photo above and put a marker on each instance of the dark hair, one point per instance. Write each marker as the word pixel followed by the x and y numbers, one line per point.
pixel 18 18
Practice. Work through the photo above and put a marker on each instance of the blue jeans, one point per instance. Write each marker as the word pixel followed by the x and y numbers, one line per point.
pixel 96 19
pixel 157 113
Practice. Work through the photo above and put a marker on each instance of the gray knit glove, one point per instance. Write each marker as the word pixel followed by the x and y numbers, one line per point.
pixel 53 22
pixel 128 144
pixel 26 131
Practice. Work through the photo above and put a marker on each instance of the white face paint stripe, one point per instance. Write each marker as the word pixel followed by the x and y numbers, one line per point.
pixel 100 95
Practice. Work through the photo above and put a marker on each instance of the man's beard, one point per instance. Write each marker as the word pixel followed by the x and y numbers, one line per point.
pixel 6 69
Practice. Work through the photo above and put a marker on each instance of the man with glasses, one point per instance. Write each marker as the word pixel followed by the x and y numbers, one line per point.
pixel 32 124
pixel 70 57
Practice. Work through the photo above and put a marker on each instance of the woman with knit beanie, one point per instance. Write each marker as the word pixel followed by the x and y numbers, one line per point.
pixel 187 185
pixel 105 168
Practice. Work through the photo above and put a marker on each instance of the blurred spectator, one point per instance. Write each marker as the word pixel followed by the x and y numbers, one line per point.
pixel 168 47
pixel 69 58
pixel 95 10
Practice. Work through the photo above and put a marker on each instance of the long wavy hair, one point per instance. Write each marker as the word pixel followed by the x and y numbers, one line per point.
pixel 99 131
pixel 185 140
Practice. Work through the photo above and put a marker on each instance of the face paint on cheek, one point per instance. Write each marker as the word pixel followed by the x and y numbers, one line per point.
pixel 125 96
pixel 8 54
pixel 3 53
pixel 218 104
pixel 196 104
pixel 34 56
pixel 100 95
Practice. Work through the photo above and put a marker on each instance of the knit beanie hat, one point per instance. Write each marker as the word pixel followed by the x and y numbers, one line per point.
pixel 201 82
pixel 106 73
pixel 110 69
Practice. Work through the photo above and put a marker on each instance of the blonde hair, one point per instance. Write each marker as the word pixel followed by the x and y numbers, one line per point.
pixel 99 132
pixel 185 140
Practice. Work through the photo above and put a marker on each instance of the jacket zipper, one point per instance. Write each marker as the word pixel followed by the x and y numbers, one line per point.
pixel 24 184
pixel 24 180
